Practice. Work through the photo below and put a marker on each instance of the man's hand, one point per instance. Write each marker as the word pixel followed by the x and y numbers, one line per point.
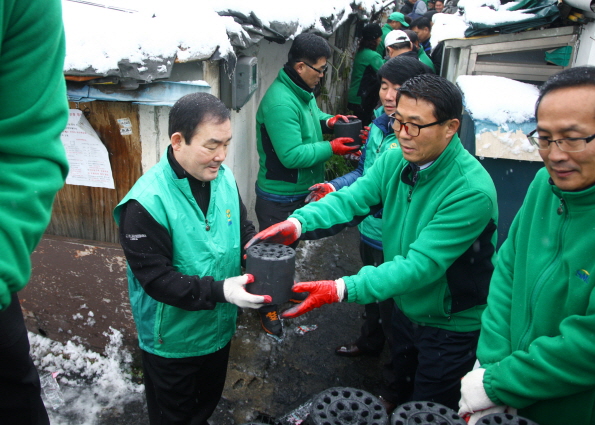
pixel 339 145
pixel 285 232
pixel 363 134
pixel 473 395
pixel 355 156
pixel 235 292
pixel 319 191
pixel 321 292
pixel 330 123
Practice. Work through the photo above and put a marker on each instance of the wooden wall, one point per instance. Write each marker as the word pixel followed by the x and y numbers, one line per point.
pixel 84 212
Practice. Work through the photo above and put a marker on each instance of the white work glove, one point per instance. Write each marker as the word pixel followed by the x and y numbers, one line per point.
pixel 235 292
pixel 472 420
pixel 473 396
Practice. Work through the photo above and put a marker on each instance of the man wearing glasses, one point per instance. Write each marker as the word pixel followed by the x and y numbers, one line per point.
pixel 291 150
pixel 438 236
pixel 537 347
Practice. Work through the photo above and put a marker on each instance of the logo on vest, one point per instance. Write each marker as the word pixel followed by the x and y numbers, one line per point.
pixel 583 275
pixel 228 214
pixel 135 237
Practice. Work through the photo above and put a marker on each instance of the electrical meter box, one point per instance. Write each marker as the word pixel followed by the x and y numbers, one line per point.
pixel 238 89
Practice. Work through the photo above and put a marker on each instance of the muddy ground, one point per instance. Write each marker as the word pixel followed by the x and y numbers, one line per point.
pixel 268 378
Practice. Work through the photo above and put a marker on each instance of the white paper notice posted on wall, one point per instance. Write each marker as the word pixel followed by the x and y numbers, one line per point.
pixel 87 155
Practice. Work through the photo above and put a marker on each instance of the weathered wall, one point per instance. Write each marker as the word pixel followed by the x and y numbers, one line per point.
pixel 585 54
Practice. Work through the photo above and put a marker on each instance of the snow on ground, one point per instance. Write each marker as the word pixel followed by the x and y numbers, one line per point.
pixel 91 383
pixel 498 99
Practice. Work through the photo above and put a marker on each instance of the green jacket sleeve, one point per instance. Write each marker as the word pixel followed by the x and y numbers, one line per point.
pixel 33 113
pixel 288 139
pixel 451 232
pixel 494 339
pixel 552 367
pixel 376 62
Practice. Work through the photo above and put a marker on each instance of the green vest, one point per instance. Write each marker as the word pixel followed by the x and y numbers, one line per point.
pixel 199 248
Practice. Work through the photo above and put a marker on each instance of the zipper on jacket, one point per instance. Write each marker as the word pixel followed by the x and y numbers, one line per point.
pixel 562 206
pixel 537 288
pixel 207 227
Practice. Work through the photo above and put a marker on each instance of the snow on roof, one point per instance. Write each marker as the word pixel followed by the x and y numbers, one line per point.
pixel 491 12
pixel 104 37
pixel 483 12
pixel 498 99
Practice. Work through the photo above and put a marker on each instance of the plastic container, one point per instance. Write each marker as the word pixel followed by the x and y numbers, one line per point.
pixel 273 268
pixel 51 390
pixel 349 129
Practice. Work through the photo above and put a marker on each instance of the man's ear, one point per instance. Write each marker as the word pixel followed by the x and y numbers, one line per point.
pixel 177 140
pixel 453 127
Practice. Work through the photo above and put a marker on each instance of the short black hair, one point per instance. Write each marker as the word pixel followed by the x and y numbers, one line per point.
pixel 412 35
pixel 573 77
pixel 414 39
pixel 400 69
pixel 309 48
pixel 436 1
pixel 194 109
pixel 401 45
pixel 441 93
pixel 422 22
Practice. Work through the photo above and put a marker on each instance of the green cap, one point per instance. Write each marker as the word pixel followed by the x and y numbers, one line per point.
pixel 398 17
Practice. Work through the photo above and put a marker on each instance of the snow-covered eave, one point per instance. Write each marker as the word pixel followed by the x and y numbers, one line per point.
pixel 241 30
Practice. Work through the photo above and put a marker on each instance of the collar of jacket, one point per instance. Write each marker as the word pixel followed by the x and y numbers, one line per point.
pixel 383 123
pixel 453 149
pixel 582 199
pixel 285 77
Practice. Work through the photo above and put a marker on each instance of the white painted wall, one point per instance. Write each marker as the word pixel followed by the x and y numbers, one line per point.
pixel 585 54
pixel 242 157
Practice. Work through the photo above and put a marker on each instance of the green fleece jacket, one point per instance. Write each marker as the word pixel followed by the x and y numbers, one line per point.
pixel 33 113
pixel 438 236
pixel 289 139
pixel 381 49
pixel 425 59
pixel 537 337
pixel 368 62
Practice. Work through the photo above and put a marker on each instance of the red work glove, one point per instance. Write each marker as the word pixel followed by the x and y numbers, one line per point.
pixel 319 191
pixel 285 232
pixel 363 134
pixel 330 123
pixel 321 292
pixel 339 146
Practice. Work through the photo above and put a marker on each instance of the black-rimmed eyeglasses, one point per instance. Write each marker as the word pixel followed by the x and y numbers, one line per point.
pixel 411 128
pixel 320 71
pixel 569 144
